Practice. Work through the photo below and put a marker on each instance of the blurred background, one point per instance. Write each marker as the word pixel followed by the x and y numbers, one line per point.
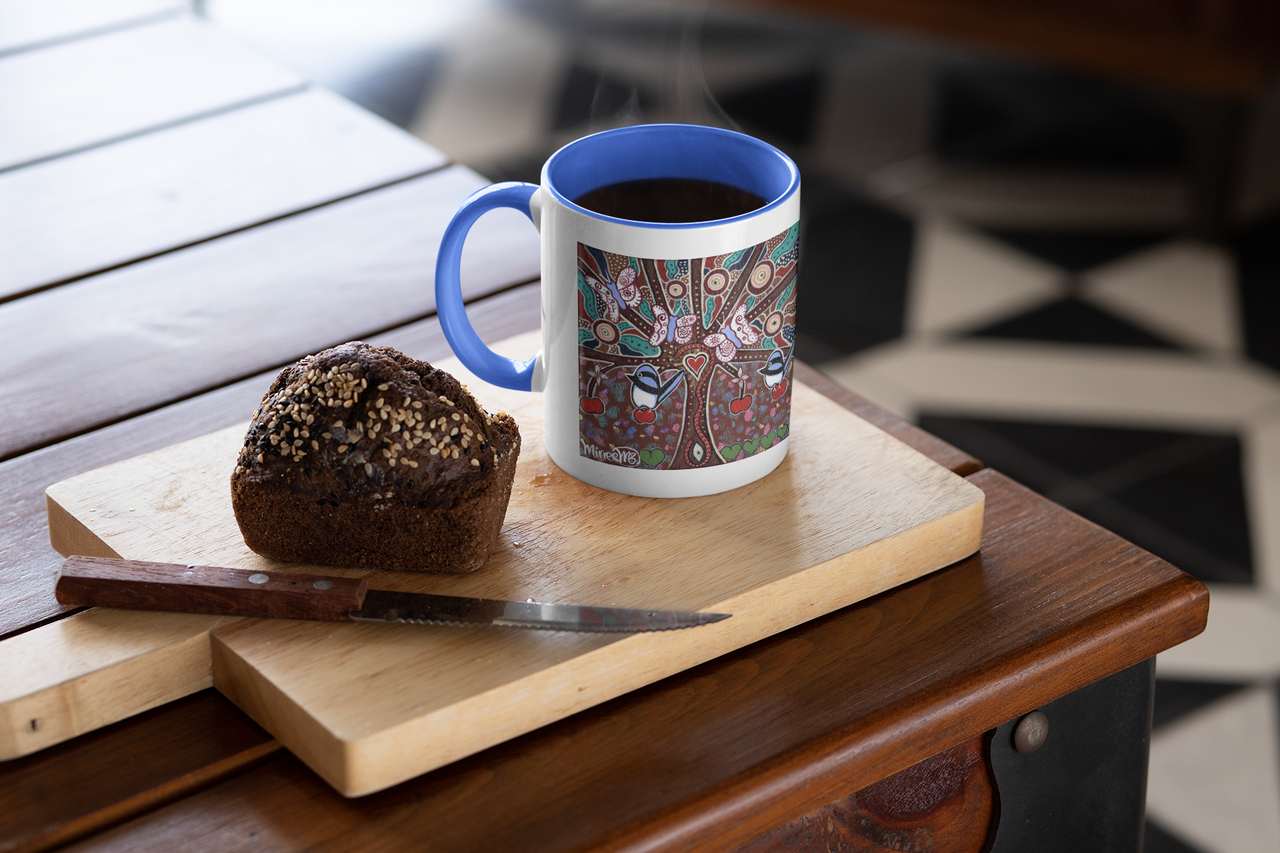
pixel 1049 235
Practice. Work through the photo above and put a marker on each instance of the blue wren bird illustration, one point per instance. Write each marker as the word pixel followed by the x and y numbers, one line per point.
pixel 647 387
pixel 775 369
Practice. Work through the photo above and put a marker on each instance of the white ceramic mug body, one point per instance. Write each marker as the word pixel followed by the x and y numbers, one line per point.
pixel 667 347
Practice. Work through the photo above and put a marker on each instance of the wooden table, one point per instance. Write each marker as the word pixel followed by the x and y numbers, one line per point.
pixel 182 218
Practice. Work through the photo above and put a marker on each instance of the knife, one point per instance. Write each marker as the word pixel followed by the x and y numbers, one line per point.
pixel 139 585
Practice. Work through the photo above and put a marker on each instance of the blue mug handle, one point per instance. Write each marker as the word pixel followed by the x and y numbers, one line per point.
pixel 466 344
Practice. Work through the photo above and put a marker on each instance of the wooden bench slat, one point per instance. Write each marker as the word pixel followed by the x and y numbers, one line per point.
pixel 75 215
pixel 86 92
pixel 231 307
pixel 26 26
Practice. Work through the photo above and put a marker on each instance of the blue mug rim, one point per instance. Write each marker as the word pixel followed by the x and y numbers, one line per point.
pixel 670 150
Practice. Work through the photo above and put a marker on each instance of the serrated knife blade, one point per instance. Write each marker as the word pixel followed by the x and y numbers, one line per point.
pixel 141 585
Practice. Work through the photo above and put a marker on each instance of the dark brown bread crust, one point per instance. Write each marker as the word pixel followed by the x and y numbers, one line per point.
pixel 362 456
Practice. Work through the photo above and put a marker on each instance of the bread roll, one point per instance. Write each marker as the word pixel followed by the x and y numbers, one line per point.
pixel 362 456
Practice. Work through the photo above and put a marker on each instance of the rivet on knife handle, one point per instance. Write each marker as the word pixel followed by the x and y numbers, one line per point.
pixel 137 585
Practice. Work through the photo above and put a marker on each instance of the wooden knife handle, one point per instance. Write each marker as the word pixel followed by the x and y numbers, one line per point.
pixel 138 585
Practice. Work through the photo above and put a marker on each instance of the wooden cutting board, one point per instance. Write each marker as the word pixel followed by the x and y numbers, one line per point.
pixel 850 513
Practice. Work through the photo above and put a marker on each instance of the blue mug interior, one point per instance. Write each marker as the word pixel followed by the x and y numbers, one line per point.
pixel 670 151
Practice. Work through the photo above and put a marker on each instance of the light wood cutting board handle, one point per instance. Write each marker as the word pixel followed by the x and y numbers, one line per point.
pixel 138 585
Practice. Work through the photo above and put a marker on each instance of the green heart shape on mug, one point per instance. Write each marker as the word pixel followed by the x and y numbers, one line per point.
pixel 653 458
pixel 783 430
pixel 751 446
pixel 730 452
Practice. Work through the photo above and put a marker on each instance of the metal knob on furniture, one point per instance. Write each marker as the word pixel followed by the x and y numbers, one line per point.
pixel 1031 733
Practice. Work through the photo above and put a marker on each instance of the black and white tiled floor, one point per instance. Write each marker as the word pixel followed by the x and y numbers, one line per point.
pixel 1001 254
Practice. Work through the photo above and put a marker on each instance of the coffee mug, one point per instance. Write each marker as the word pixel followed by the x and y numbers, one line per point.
pixel 669 260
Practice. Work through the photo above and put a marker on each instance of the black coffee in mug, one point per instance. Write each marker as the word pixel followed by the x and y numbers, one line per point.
pixel 670 200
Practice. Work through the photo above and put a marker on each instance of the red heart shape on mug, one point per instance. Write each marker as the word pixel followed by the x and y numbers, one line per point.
pixel 740 405
pixel 779 389
pixel 591 405
pixel 695 362
pixel 644 415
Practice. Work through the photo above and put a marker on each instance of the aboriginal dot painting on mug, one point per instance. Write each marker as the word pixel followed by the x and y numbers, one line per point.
pixel 686 363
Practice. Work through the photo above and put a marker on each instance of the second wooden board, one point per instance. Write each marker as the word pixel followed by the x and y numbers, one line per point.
pixel 850 513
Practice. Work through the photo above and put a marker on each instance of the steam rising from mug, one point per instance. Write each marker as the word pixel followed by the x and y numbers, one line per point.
pixel 682 95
